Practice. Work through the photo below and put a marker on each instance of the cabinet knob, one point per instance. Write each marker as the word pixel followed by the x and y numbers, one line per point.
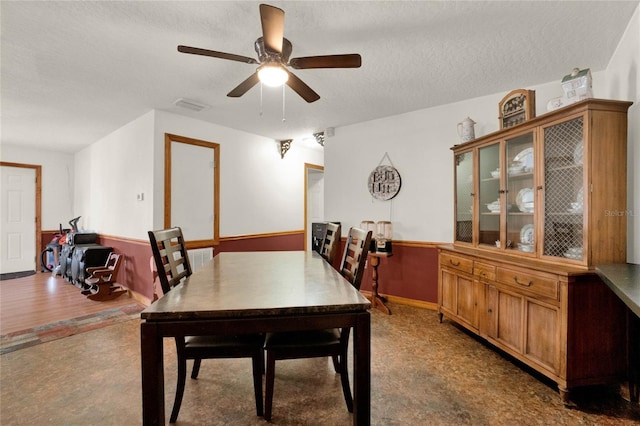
pixel 454 263
pixel 490 310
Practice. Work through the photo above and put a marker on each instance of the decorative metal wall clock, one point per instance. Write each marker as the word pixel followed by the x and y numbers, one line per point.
pixel 384 181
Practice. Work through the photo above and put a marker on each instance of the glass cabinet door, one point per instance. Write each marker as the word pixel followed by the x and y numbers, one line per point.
pixel 489 195
pixel 520 194
pixel 464 197
pixel 564 194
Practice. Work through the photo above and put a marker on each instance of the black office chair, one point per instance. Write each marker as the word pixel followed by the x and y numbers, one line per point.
pixel 321 343
pixel 172 263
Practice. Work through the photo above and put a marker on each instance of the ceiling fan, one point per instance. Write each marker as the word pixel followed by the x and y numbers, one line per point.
pixel 273 58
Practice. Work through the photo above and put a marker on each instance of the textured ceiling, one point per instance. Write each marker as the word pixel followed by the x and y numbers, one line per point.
pixel 73 72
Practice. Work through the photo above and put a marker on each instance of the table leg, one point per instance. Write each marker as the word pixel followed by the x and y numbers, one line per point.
pixel 377 301
pixel 151 349
pixel 362 370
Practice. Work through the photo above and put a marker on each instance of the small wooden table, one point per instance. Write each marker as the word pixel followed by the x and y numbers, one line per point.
pixel 624 280
pixel 256 292
pixel 377 301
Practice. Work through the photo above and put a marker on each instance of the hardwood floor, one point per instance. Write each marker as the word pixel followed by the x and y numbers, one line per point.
pixel 42 299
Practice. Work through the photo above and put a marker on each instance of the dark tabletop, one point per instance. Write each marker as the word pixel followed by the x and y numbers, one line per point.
pixel 251 284
pixel 624 280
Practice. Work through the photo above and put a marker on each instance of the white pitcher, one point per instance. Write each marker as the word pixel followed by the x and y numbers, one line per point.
pixel 466 130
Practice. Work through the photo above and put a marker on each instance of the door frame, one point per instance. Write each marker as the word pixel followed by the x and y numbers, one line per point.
pixel 168 140
pixel 307 167
pixel 38 223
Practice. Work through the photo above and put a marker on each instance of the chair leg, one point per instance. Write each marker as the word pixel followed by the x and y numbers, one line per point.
pixel 196 368
pixel 336 363
pixel 270 378
pixel 182 375
pixel 258 366
pixel 344 378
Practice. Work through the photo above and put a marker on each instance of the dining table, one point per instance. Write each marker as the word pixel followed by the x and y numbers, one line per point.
pixel 624 280
pixel 256 292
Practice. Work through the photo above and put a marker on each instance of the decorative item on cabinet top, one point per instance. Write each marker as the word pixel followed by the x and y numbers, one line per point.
pixel 576 86
pixel 466 132
pixel 517 107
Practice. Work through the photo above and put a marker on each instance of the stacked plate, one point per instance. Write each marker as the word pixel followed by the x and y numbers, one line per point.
pixel 574 253
pixel 524 200
pixel 494 207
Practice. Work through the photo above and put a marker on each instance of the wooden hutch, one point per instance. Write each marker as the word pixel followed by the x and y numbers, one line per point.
pixel 537 205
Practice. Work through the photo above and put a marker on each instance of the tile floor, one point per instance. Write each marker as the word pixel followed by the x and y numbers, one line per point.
pixel 423 373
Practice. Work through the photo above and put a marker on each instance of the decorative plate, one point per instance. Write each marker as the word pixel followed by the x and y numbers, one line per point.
pixel 524 200
pixel 578 153
pixel 384 182
pixel 525 157
pixel 526 234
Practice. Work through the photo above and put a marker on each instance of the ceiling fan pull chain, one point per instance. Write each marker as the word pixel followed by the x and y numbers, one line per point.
pixel 283 118
pixel 260 99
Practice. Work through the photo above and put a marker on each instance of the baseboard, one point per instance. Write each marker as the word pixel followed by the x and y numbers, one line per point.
pixel 405 301
pixel 141 299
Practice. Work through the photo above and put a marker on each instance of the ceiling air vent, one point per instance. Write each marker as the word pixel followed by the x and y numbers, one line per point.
pixel 189 104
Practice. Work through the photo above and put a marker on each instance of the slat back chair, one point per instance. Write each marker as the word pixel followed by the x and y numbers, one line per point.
pixel 321 343
pixel 354 257
pixel 170 255
pixel 330 242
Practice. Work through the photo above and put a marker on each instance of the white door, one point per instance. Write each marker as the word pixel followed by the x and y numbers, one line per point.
pixel 315 201
pixel 17 219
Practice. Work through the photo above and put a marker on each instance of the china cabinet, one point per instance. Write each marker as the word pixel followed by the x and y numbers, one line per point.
pixel 537 205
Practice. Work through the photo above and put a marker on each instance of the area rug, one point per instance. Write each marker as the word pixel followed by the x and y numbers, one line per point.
pixel 14 275
pixel 46 333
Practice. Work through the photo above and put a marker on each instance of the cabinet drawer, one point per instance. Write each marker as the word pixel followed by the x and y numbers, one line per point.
pixel 457 262
pixel 484 270
pixel 543 284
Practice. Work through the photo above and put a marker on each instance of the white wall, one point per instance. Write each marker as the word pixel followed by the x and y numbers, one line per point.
pixel 623 82
pixel 419 142
pixel 57 181
pixel 260 192
pixel 109 174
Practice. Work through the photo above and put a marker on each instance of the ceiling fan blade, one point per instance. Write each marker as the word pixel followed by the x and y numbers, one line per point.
pixel 301 88
pixel 272 27
pixel 244 87
pixel 352 60
pixel 214 54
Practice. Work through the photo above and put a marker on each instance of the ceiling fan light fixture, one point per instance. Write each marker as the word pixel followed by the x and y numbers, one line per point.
pixel 272 75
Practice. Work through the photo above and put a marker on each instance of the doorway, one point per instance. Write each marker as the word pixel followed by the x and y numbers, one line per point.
pixel 313 200
pixel 21 216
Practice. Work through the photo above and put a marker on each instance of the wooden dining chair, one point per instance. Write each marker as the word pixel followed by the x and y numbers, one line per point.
pixel 172 264
pixel 321 343
pixel 330 242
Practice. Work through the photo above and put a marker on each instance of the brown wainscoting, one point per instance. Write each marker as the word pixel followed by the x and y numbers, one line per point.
pixel 276 241
pixel 135 273
pixel 411 273
pixel 410 276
